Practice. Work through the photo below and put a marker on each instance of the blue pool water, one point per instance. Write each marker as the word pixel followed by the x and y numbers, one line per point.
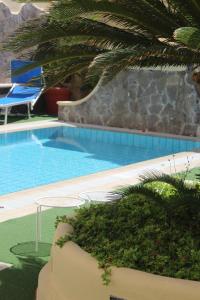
pixel 42 156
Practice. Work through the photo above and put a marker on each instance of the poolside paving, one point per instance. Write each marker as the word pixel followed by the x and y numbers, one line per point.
pixel 23 202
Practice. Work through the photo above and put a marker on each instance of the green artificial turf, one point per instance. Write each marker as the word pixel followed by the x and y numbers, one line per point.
pixel 193 174
pixel 22 119
pixel 20 281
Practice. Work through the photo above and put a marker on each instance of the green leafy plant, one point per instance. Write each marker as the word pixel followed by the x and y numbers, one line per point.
pixel 106 276
pixel 154 228
pixel 62 240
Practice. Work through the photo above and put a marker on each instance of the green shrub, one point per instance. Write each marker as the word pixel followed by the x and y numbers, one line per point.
pixel 155 227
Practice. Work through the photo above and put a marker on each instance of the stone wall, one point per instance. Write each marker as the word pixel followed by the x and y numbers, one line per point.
pixel 142 99
pixel 9 22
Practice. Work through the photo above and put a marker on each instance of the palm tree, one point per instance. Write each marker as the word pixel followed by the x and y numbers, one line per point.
pixel 103 37
pixel 179 198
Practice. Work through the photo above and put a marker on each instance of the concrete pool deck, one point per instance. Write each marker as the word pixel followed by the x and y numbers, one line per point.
pixel 22 203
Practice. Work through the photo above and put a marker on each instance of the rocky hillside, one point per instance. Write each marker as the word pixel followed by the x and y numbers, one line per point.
pixel 9 22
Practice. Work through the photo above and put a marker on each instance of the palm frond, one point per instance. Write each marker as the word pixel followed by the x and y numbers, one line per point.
pixel 42 32
pixel 141 189
pixel 122 33
pixel 112 62
pixel 57 73
pixel 63 55
pixel 189 36
pixel 138 12
pixel 177 183
pixel 190 9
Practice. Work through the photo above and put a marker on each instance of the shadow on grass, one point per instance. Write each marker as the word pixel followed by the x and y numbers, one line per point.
pixel 20 282
pixel 27 249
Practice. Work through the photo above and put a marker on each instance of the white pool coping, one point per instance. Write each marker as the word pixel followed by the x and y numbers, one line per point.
pixel 23 202
pixel 12 127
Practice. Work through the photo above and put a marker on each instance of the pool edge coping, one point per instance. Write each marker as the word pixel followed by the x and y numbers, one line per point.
pixel 114 178
pixel 14 127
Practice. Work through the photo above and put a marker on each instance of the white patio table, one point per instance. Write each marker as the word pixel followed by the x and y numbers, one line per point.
pixel 99 196
pixel 53 202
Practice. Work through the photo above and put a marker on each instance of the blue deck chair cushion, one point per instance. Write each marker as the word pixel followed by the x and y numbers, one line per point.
pixel 26 89
pixel 22 94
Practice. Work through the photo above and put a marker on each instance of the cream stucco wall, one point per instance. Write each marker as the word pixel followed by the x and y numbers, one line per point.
pixel 72 274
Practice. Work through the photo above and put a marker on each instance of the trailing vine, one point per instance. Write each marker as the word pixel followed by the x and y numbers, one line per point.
pixel 154 228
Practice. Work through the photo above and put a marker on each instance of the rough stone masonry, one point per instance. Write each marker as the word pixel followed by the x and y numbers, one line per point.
pixel 147 100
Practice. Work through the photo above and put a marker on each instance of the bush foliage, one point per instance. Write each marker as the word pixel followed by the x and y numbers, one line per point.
pixel 154 228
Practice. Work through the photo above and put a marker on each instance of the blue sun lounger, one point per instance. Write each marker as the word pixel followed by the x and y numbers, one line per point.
pixel 26 89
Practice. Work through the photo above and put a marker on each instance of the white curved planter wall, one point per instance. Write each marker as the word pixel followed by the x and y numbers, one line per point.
pixel 72 274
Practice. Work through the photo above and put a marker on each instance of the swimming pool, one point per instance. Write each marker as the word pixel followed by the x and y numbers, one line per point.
pixel 41 156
